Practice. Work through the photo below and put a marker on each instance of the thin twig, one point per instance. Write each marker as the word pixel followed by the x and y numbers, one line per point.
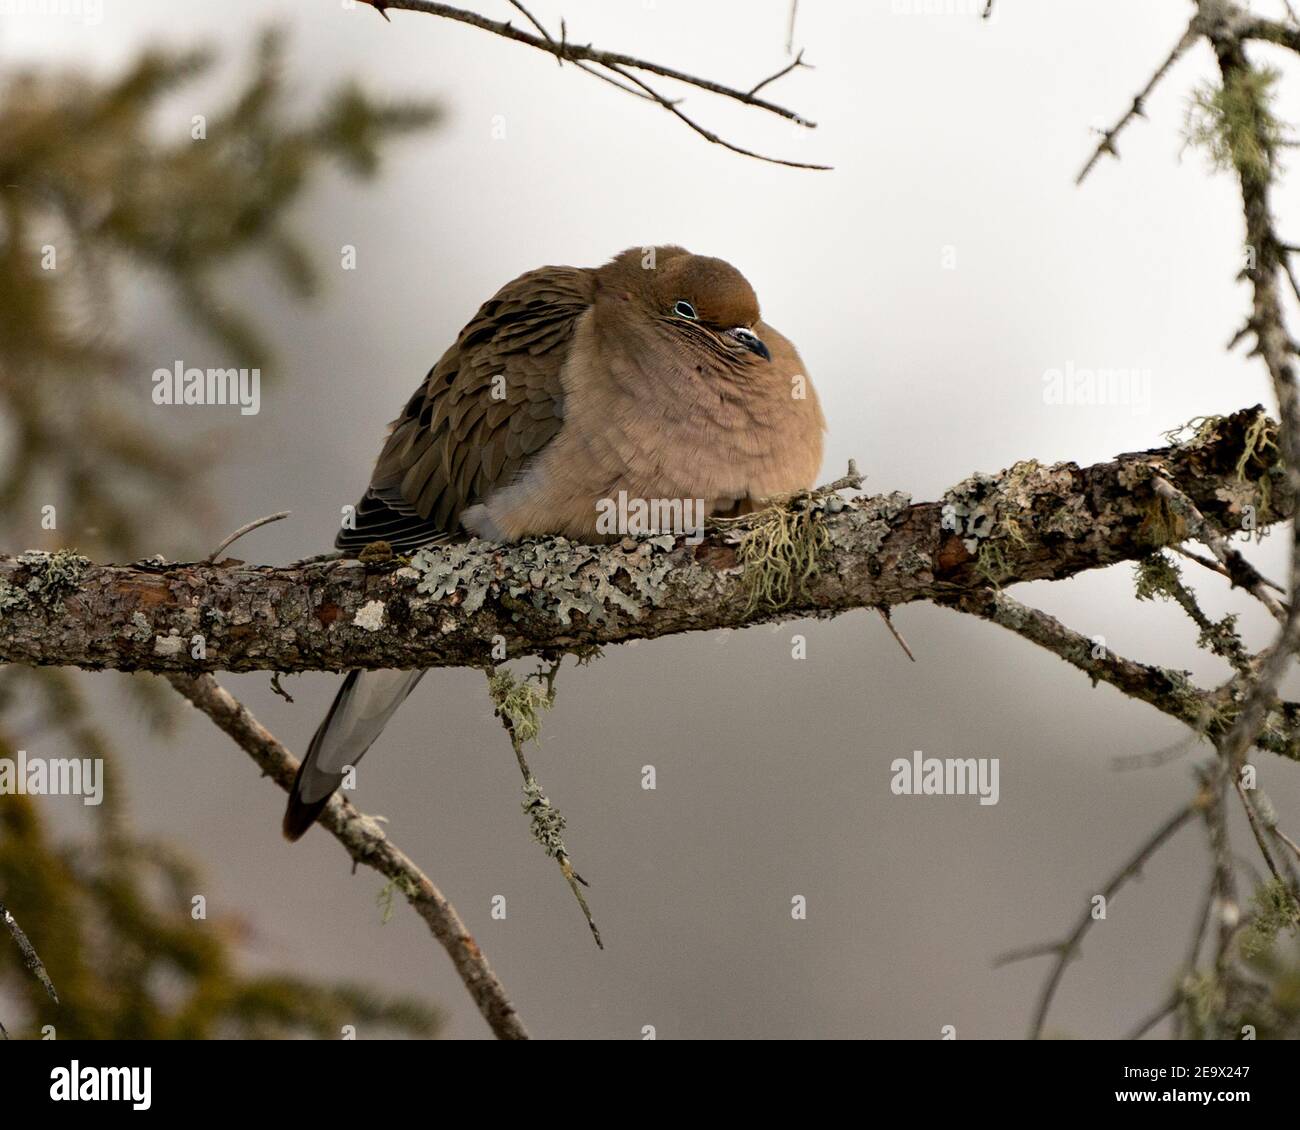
pixel 1215 567
pixel 1124 762
pixel 1270 31
pixel 1170 1004
pixel 852 479
pixel 618 64
pixel 889 623
pixel 30 957
pixel 1224 885
pixel 582 66
pixel 1239 569
pixel 1137 109
pixel 561 856
pixel 1200 927
pixel 672 107
pixel 1253 818
pixel 249 528
pixel 1067 949
pixel 798 62
pixel 1024 953
pixel 1281 835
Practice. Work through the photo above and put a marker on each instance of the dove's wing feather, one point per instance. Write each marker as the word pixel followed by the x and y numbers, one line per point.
pixel 490 404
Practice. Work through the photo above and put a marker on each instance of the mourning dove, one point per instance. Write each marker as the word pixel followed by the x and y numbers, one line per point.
pixel 653 375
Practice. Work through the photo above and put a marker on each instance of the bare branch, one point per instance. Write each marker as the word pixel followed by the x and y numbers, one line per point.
pixel 1270 31
pixel 672 107
pixel 366 843
pixel 246 529
pixel 1067 949
pixel 1170 1003
pixel 621 65
pixel 1215 567
pixel 798 62
pixel 1137 110
pixel 1252 818
pixel 31 958
pixel 893 631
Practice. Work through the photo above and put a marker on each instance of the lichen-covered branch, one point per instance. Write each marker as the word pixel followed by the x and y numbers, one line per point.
pixel 457 605
pixel 518 704
pixel 1209 713
pixel 1250 140
pixel 31 958
pixel 366 843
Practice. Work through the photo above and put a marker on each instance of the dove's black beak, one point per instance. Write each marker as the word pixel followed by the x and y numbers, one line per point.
pixel 749 340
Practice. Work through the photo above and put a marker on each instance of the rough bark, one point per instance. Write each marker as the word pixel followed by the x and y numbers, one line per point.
pixel 449 606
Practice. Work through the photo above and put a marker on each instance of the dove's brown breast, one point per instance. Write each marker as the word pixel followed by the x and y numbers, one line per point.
pixel 564 390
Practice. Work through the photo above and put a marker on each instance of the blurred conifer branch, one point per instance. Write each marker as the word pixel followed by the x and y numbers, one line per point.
pixel 101 181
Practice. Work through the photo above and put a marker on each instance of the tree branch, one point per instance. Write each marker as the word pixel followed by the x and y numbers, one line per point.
pixel 366 843
pixel 1068 948
pixel 31 958
pixel 451 605
pixel 1207 712
pixel 1106 146
pixel 1221 21
pixel 619 64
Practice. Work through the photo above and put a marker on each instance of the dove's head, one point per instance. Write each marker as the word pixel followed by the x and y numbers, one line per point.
pixel 704 304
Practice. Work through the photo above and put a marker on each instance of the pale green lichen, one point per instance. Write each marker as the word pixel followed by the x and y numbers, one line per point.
pixel 1205 998
pixel 1262 433
pixel 562 576
pixel 1072 518
pixel 780 548
pixel 385 900
pixel 370 616
pixel 988 511
pixel 915 562
pixel 1157 576
pixel 780 554
pixel 547 822
pixel 1197 432
pixel 51 576
pixel 874 520
pixel 521 703
pixel 141 630
pixel 12 598
pixel 1274 909
pixel 1240 495
pixel 991 564
pixel 1235 124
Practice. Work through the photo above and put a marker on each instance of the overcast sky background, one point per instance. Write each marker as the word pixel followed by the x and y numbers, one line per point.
pixel 773 775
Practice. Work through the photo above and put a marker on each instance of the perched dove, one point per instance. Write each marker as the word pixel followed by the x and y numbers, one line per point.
pixel 653 374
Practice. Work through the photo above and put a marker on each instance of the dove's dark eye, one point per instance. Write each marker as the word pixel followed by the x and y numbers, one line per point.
pixel 684 309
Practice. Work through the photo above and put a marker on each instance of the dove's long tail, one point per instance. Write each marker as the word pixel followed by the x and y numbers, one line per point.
pixel 362 708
